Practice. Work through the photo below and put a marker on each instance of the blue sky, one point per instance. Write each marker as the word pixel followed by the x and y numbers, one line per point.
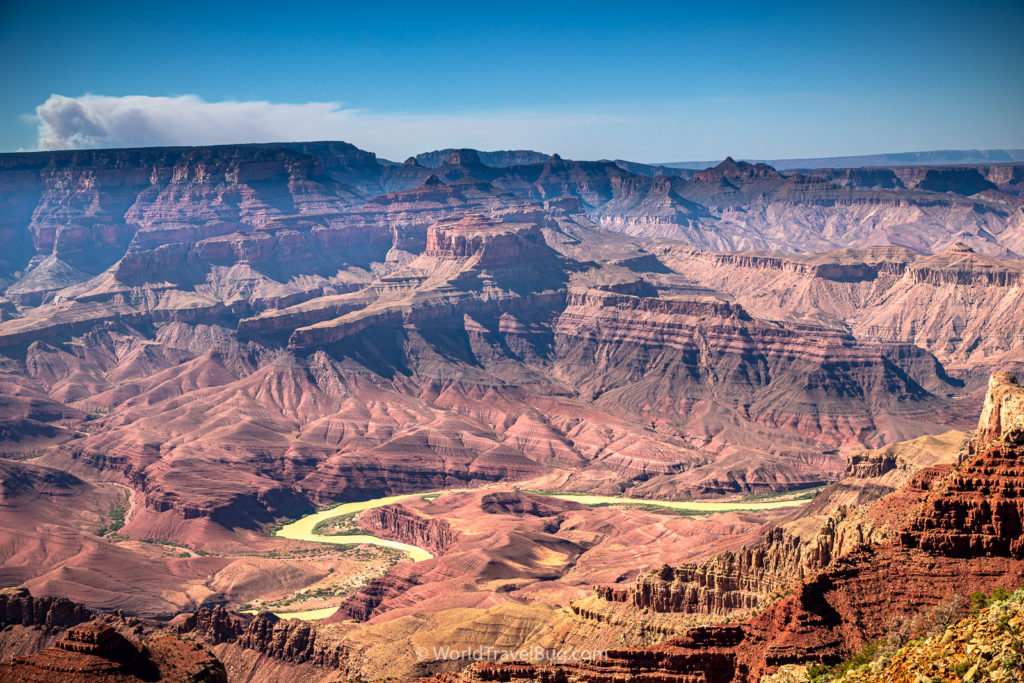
pixel 649 81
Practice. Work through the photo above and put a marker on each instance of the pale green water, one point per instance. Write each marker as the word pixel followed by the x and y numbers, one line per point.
pixel 302 529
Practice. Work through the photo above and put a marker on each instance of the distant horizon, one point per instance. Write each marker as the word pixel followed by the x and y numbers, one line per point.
pixel 1016 155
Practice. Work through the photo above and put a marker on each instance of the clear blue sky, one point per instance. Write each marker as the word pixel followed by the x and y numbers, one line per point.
pixel 650 81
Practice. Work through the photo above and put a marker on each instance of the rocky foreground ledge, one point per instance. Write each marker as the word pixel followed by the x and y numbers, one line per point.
pixel 86 648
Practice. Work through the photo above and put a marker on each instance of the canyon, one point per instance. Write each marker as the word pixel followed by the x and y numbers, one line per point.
pixel 200 345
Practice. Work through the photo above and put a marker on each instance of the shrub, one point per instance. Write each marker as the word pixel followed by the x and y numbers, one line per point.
pixel 978 600
pixel 818 670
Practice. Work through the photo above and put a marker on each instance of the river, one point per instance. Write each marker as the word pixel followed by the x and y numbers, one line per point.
pixel 302 529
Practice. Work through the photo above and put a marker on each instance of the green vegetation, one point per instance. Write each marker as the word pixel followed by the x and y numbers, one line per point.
pixel 116 515
pixel 377 561
pixel 921 639
pixel 979 601
pixel 342 525
pixel 303 529
pixel 308 594
pixel 172 544
pixel 865 655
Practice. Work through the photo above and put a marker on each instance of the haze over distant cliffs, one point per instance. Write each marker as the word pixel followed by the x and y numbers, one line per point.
pixel 945 157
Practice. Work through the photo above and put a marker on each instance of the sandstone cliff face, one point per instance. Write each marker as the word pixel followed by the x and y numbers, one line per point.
pixel 400 524
pixel 294 641
pixel 88 209
pixel 1002 415
pixel 90 205
pixel 19 607
pixel 979 508
pixel 87 647
pixel 737 580
pixel 270 646
pixel 838 521
pixel 625 350
pixel 493 243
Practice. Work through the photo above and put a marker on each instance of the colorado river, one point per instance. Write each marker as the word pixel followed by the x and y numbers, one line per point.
pixel 302 529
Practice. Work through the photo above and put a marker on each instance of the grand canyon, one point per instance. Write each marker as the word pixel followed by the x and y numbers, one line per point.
pixel 687 420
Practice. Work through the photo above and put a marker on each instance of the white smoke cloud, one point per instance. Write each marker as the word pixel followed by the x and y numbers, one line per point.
pixel 138 120
pixel 96 121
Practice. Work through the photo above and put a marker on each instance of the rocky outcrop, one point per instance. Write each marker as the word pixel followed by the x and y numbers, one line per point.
pixel 294 641
pixel 1002 415
pixel 19 607
pixel 401 524
pixel 90 646
pixel 826 529
pixel 368 600
pixel 629 350
pixel 283 640
pixel 494 243
pixel 869 265
pixel 735 580
pixel 501 159
pixel 96 652
pixel 960 265
pixel 978 510
pixel 959 180
pixel 878 293
pixel 214 625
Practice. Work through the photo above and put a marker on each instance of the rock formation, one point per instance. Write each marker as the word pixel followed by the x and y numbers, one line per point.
pixel 96 652
pixel 401 524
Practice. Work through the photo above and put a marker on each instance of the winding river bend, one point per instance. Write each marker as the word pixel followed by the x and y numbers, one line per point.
pixel 302 529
